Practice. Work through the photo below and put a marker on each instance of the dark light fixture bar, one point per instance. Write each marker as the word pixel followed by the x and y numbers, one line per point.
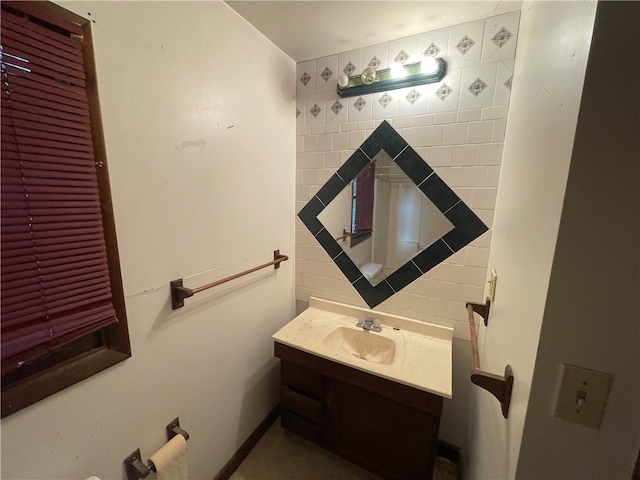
pixel 411 75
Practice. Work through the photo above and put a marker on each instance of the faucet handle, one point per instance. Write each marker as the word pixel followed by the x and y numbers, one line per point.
pixel 377 323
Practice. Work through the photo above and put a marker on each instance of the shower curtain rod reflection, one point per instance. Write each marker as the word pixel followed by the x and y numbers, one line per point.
pixel 179 292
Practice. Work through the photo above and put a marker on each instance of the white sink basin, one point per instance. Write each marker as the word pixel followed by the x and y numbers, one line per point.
pixel 362 344
pixel 407 351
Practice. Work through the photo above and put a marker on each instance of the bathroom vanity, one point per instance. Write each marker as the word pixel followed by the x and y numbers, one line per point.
pixel 374 398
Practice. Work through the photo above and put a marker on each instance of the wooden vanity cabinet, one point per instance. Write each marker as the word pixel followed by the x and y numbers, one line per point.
pixel 387 428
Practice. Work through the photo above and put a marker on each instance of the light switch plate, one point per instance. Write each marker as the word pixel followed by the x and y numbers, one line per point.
pixel 493 279
pixel 583 395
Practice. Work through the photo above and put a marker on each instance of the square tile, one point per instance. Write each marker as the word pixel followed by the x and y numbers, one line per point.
pixel 465 44
pixel 490 154
pixel 433 135
pixel 500 37
pixel 469 115
pixel 480 132
pixel 360 108
pixel 327 74
pixel 412 100
pixel 376 56
pixel 499 128
pixel 441 157
pixel 455 134
pixel 404 50
pixel 337 110
pixel 477 86
pixel 494 113
pixel 315 111
pixel 434 43
pixel 504 79
pixel 413 136
pixel 300 112
pixel 340 142
pixel 306 78
pixel 385 105
pixel 474 176
pixel 350 63
pixel 465 155
pixel 446 94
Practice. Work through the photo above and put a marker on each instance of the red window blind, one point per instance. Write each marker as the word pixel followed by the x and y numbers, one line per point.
pixel 55 277
pixel 363 198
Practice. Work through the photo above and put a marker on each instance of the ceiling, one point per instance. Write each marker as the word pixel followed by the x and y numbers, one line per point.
pixel 305 30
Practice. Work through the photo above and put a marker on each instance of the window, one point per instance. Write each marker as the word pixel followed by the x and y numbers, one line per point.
pixel 363 188
pixel 63 316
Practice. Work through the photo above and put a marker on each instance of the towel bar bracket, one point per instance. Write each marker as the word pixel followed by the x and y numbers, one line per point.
pixel 277 258
pixel 134 466
pixel 482 309
pixel 179 293
pixel 174 429
pixel 499 387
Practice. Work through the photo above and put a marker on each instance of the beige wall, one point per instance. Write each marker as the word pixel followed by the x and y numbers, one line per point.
pixel 547 85
pixel 201 160
pixel 592 315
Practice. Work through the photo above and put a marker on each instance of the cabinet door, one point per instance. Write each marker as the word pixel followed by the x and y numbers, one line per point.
pixel 390 439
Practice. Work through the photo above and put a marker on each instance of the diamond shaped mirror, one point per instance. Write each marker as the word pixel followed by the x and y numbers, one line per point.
pixel 385 217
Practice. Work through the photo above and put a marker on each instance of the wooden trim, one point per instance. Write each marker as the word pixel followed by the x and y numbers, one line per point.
pixel 56 378
pixel 116 342
pixel 413 397
pixel 116 336
pixel 449 451
pixel 238 457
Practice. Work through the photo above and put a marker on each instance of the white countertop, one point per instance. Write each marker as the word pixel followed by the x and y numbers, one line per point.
pixel 423 350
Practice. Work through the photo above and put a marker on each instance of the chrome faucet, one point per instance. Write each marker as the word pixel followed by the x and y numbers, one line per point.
pixel 372 324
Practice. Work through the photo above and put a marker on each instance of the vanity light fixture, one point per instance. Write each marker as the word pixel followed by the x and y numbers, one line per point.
pixel 429 70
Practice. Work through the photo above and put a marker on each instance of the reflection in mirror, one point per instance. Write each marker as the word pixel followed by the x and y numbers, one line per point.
pixel 411 220
pixel 382 220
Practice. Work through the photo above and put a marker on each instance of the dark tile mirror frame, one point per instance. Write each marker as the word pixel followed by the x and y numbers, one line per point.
pixel 467 225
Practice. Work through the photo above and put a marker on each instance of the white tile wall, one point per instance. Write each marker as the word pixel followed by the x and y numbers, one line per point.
pixel 465 44
pixel 404 50
pixel 457 133
pixel 434 43
pixel 500 37
pixel 326 73
pixel 376 56
pixel 350 62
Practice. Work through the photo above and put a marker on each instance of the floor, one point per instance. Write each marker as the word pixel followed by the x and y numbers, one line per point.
pixel 282 455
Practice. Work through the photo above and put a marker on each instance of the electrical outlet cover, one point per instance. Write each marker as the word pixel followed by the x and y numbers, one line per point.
pixel 583 395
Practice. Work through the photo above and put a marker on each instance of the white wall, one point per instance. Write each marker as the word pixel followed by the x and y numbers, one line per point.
pixel 592 315
pixel 171 73
pixel 547 85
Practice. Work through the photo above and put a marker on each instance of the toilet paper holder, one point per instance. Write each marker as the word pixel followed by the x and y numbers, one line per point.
pixel 133 463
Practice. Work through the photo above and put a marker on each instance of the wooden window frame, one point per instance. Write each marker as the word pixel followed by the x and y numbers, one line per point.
pixel 362 189
pixel 99 351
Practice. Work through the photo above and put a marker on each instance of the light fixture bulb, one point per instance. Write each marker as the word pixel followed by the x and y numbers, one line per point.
pixel 368 75
pixel 343 80
pixel 398 71
pixel 428 65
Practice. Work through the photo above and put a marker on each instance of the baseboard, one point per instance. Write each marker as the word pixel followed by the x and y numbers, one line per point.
pixel 448 451
pixel 451 453
pixel 237 458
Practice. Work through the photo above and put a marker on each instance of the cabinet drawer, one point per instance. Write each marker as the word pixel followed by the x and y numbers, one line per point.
pixel 301 404
pixel 301 426
pixel 302 379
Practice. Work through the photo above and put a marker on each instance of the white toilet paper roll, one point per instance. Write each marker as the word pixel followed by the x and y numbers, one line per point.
pixel 171 460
